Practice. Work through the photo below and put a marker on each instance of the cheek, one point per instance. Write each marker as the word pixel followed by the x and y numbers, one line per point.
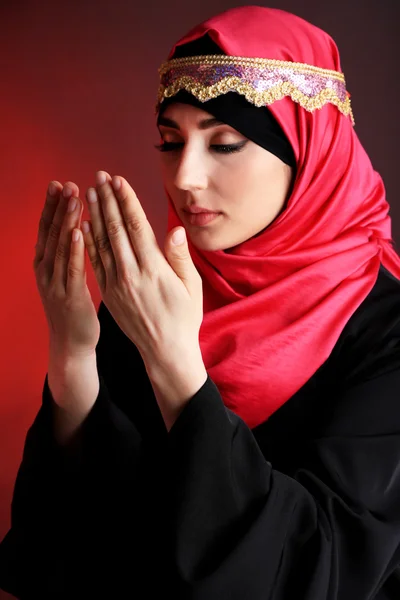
pixel 253 192
pixel 233 183
pixel 241 183
pixel 262 177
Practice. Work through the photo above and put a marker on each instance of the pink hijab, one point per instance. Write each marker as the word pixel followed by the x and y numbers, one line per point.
pixel 275 306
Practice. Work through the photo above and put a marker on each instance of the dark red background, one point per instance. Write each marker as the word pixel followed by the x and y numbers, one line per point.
pixel 78 83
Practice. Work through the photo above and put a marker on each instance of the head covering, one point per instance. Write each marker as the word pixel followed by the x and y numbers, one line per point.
pixel 276 304
pixel 257 124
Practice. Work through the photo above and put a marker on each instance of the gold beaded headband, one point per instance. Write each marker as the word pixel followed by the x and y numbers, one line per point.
pixel 262 81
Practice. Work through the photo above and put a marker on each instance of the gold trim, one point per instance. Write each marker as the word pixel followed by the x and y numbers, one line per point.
pixel 259 98
pixel 220 59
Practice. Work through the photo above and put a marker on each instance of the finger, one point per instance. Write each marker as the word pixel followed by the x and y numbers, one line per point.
pixel 76 279
pixel 99 232
pixel 140 232
pixel 46 219
pixel 56 224
pixel 93 254
pixel 62 253
pixel 116 230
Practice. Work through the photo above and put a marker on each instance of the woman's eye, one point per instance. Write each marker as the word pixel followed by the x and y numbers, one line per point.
pixel 228 148
pixel 220 148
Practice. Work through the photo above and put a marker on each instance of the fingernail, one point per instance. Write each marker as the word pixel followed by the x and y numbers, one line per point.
pixel 100 177
pixel 92 195
pixel 85 227
pixel 116 183
pixel 52 189
pixel 72 205
pixel 67 192
pixel 179 237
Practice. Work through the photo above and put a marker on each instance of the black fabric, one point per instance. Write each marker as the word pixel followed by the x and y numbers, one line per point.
pixel 256 123
pixel 305 506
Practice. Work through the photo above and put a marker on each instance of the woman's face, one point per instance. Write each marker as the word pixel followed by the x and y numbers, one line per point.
pixel 208 164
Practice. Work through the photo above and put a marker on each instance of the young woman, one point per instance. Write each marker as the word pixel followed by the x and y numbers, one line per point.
pixel 228 425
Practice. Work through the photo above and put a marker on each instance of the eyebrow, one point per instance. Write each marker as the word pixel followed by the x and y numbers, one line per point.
pixel 205 124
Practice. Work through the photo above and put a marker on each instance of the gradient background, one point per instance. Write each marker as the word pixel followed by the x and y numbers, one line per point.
pixel 78 84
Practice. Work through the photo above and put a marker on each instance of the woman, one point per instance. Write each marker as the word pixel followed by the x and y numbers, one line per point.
pixel 263 462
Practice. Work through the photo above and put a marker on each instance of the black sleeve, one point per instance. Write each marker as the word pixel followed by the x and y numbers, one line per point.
pixel 124 373
pixel 330 530
pixel 59 498
pixel 72 511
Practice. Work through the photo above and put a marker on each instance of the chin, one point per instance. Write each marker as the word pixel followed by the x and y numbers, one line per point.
pixel 208 245
pixel 211 245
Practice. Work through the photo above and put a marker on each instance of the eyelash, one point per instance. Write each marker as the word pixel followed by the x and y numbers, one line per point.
pixel 220 148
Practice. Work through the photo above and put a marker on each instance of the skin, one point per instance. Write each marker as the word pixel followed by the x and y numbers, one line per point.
pixel 194 173
pixel 250 187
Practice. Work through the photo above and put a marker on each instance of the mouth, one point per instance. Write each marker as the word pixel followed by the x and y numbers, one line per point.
pixel 195 210
pixel 201 219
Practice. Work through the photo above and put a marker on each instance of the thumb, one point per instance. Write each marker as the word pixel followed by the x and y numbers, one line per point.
pixel 178 255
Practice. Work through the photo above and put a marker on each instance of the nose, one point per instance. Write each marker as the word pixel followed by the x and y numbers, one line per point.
pixel 191 172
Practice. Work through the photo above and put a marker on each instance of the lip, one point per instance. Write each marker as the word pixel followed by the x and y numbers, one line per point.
pixel 195 210
pixel 202 219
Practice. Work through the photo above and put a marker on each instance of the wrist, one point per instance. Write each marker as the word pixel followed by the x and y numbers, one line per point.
pixel 65 363
pixel 175 383
pixel 59 355
pixel 73 381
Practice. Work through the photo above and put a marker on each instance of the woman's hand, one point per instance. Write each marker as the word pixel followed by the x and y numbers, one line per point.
pixel 59 266
pixel 156 301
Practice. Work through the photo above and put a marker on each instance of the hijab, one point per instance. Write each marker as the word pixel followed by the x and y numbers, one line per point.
pixel 275 305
